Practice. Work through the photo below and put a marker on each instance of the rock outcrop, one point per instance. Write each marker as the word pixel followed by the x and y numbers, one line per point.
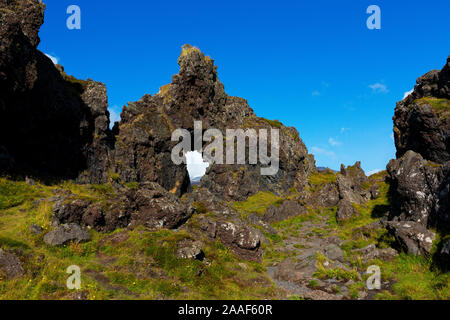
pixel 420 176
pixel 422 120
pixel 67 233
pixel 51 125
pixel 150 205
pixel 412 237
pixel 143 148
pixel 420 190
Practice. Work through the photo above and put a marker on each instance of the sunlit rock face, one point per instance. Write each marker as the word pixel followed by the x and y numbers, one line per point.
pixel 420 176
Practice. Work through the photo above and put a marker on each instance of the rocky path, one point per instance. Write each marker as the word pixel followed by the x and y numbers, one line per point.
pixel 312 245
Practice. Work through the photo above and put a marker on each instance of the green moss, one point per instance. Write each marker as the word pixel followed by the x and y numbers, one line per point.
pixel 114 176
pixel 14 193
pixel 274 123
pixel 337 273
pixel 319 179
pixel 142 266
pixel 132 185
pixel 313 284
pixel 414 279
pixel 257 203
pixel 200 207
pixel 441 106
pixel 432 164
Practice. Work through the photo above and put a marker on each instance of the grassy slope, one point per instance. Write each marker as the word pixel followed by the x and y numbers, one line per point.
pixel 141 265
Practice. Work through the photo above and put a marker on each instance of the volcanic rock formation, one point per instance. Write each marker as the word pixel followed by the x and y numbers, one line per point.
pixel 420 177
pixel 144 143
pixel 51 125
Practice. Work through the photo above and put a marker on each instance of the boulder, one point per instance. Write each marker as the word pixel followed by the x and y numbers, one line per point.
pixel 190 249
pixel 242 239
pixel 420 190
pixel 412 237
pixel 157 208
pixel 328 196
pixel 65 234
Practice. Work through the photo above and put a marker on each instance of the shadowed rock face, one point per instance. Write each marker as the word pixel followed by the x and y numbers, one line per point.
pixel 51 125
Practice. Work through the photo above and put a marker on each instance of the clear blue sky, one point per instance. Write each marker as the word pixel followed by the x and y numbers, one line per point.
pixel 310 64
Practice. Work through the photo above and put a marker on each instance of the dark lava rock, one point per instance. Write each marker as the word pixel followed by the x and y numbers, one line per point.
pixel 420 127
pixel 67 233
pixel 420 177
pixel 55 126
pixel 412 237
pixel 11 265
pixel 67 211
pixel 420 190
pixel 51 125
pixel 157 208
pixel 150 205
pixel 143 148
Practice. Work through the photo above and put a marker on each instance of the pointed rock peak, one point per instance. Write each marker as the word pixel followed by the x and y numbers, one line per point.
pixel 193 62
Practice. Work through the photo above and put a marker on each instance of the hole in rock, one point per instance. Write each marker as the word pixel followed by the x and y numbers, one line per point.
pixel 195 166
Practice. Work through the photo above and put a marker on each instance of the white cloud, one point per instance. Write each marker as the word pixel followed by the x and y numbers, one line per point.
pixel 325 152
pixel 407 93
pixel 334 142
pixel 315 93
pixel 113 116
pixel 195 165
pixel 371 172
pixel 379 88
pixel 392 136
pixel 344 129
pixel 55 60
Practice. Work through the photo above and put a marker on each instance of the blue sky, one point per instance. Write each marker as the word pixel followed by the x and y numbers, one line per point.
pixel 310 64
